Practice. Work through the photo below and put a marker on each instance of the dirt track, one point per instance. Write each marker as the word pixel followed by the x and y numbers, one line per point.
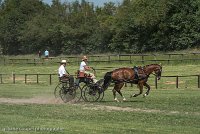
pixel 89 106
pixel 35 100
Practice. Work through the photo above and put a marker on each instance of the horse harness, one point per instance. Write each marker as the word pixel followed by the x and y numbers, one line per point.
pixel 136 72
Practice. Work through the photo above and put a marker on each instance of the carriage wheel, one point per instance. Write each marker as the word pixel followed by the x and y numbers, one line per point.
pixel 57 90
pixel 90 93
pixel 101 96
pixel 78 94
pixel 83 92
pixel 67 93
pixel 100 83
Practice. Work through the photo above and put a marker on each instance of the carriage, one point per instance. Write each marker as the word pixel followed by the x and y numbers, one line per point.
pixel 95 91
pixel 81 87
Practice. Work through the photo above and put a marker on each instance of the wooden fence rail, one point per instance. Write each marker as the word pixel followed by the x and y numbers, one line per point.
pixel 168 61
pixel 169 57
pixel 56 75
pixel 177 80
pixel 25 77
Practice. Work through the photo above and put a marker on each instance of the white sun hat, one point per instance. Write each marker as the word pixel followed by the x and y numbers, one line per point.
pixel 63 61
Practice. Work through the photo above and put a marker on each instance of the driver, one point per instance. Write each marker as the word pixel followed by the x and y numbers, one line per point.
pixel 85 68
pixel 63 74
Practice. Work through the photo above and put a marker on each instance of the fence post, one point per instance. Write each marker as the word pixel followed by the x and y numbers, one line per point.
pixel 119 57
pixel 198 81
pixel 13 78
pixel 77 60
pixel 50 79
pixel 37 79
pixel 34 61
pixel 25 78
pixel 169 56
pixel 109 58
pixel 142 59
pixel 176 81
pixel 181 57
pixel 99 58
pixel 1 78
pixel 130 59
pixel 156 82
pixel 4 60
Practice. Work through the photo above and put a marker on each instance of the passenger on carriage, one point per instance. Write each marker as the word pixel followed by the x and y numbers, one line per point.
pixel 84 69
pixel 63 74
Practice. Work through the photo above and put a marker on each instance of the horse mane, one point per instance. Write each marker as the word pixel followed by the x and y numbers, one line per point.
pixel 151 65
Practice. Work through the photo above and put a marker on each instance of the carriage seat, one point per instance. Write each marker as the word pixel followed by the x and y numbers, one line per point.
pixel 82 74
pixel 63 79
pixel 67 79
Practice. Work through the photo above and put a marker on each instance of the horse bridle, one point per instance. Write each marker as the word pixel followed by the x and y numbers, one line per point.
pixel 159 72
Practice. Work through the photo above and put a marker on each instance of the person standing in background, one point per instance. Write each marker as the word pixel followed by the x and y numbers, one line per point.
pixel 46 54
pixel 39 54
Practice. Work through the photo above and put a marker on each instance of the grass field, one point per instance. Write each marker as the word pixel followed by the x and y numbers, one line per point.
pixel 32 108
pixel 101 69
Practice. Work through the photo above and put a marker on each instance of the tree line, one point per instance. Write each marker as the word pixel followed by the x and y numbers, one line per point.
pixel 133 26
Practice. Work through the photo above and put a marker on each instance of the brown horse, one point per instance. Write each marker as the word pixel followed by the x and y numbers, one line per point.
pixel 137 76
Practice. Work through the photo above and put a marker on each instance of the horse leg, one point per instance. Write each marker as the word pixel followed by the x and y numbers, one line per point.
pixel 140 86
pixel 114 94
pixel 117 88
pixel 148 89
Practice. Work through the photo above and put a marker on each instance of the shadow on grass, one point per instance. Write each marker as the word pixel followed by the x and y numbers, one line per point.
pixel 128 101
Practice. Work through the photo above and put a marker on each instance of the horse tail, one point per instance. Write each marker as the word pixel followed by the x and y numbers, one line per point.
pixel 107 80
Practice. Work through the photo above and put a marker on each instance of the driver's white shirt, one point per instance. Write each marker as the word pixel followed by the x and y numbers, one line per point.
pixel 82 69
pixel 61 71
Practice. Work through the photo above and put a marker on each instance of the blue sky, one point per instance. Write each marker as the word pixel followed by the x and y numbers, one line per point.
pixel 96 2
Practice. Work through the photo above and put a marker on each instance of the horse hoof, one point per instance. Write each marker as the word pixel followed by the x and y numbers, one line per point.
pixel 144 95
pixel 134 95
pixel 116 100
pixel 124 99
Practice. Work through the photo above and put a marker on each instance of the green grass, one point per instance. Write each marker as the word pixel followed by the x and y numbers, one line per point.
pixel 101 69
pixel 179 69
pixel 166 110
pixel 163 111
pixel 24 90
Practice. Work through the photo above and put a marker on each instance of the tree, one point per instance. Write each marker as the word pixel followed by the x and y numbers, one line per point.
pixel 15 14
pixel 135 26
pixel 151 25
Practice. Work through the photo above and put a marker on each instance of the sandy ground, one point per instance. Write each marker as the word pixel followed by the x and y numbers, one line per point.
pixel 89 106
pixel 35 100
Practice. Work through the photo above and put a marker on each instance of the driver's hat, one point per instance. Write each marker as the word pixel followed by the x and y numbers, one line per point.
pixel 84 57
pixel 63 61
